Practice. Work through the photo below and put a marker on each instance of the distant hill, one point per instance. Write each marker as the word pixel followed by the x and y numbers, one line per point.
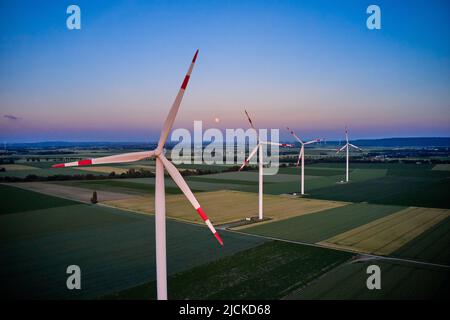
pixel 387 142
pixel 404 142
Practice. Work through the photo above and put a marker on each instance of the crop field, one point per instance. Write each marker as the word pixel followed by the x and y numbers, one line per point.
pixel 432 245
pixel 399 281
pixel 221 206
pixel 42 232
pixel 324 224
pixel 125 186
pixel 144 185
pixel 114 249
pixel 68 192
pixel 17 167
pixel 387 234
pixel 442 167
pixel 104 169
pixel 268 271
pixel 17 200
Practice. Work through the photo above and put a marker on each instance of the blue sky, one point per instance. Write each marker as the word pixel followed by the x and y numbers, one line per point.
pixel 311 65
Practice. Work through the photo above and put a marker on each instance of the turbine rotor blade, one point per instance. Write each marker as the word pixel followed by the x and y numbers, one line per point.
pixel 299 156
pixel 175 107
pixel 341 149
pixel 119 158
pixel 249 157
pixel 277 144
pixel 181 183
pixel 295 136
pixel 251 124
pixel 313 141
pixel 352 145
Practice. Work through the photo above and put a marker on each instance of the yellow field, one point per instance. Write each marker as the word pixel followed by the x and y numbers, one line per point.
pixel 442 167
pixel 226 206
pixel 11 167
pixel 103 169
pixel 385 235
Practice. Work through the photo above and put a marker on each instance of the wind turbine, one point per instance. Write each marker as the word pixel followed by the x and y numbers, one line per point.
pixel 301 156
pixel 160 206
pixel 346 146
pixel 259 146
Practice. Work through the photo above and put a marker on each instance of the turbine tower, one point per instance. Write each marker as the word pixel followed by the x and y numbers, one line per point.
pixel 301 156
pixel 259 147
pixel 160 205
pixel 347 146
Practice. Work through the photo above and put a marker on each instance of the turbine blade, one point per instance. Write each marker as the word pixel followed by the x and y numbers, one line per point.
pixel 312 141
pixel 299 156
pixel 346 133
pixel 295 136
pixel 251 124
pixel 277 144
pixel 341 148
pixel 175 106
pixel 352 145
pixel 120 158
pixel 181 183
pixel 249 157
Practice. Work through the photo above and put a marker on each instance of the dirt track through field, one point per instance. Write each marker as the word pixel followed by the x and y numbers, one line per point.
pixel 69 192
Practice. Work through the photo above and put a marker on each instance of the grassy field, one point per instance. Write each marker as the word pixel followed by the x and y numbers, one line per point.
pixel 114 249
pixel 268 271
pixel 17 167
pixel 127 186
pixel 394 190
pixel 398 281
pixel 221 206
pixel 432 245
pixel 387 234
pixel 104 169
pixel 18 200
pixel 325 224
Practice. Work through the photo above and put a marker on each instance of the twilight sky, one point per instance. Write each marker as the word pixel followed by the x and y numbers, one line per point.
pixel 311 65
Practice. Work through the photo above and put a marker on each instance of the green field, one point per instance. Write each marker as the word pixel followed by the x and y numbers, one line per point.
pixel 17 200
pixel 41 235
pixel 398 281
pixel 269 271
pixel 114 249
pixel 323 225
pixel 432 245
pixel 119 186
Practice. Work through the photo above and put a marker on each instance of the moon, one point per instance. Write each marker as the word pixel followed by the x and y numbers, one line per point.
pixel 216 120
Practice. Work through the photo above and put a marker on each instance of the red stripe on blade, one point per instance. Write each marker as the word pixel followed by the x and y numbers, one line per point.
pixel 59 165
pixel 195 56
pixel 185 82
pixel 218 238
pixel 202 214
pixel 85 162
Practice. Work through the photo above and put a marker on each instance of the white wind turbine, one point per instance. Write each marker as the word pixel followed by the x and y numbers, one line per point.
pixel 160 207
pixel 259 146
pixel 301 156
pixel 347 146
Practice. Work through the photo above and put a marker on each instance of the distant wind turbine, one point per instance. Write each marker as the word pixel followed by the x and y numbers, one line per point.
pixel 301 156
pixel 347 146
pixel 259 146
